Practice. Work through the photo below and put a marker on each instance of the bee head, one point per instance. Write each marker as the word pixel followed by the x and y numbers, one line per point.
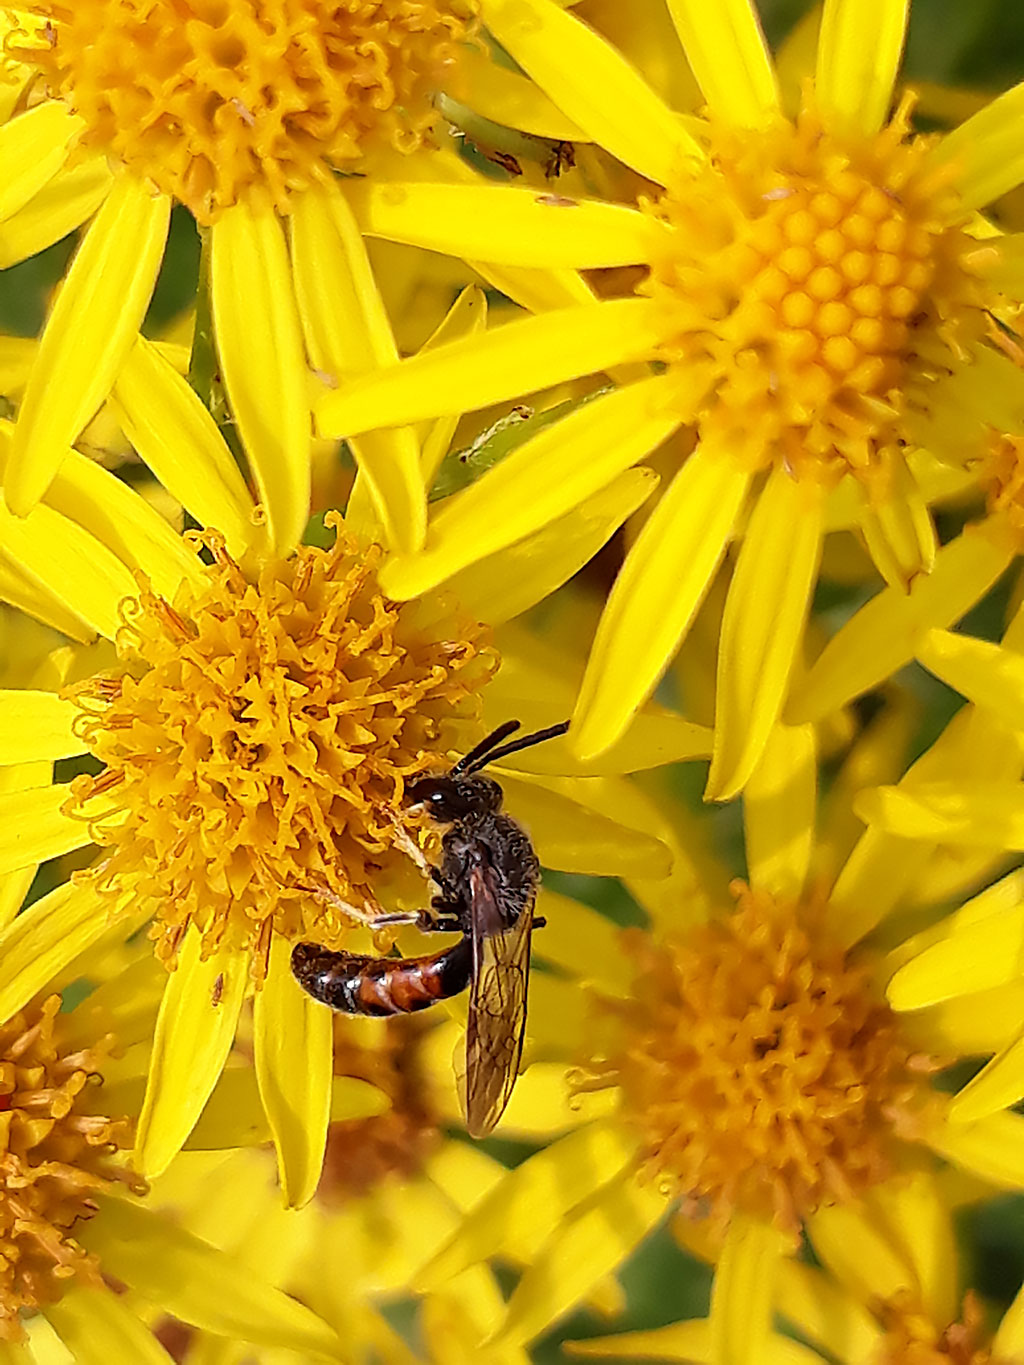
pixel 447 798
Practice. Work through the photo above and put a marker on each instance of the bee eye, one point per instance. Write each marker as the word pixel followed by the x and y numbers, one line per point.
pixel 437 798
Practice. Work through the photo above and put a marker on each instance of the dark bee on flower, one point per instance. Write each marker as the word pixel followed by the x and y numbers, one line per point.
pixel 486 888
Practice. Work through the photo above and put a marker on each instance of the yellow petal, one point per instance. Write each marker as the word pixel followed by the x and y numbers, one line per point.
pixel 347 334
pixel 98 1327
pixel 728 54
pixel 543 479
pixel 63 204
pixel 779 806
pixel 743 1291
pixel 21 591
pixel 200 1285
pixel 466 317
pixel 14 885
pixel 685 1341
pixel 859 52
pixel 987 152
pixel 533 1200
pixel 859 1250
pixel 69 564
pixel 977 956
pixel 984 814
pixel 33 827
pixel 512 580
pixel 192 1039
pixel 588 1245
pixel 88 334
pixel 43 939
pixel 916 1213
pixel 505 224
pixel 880 638
pixel 521 357
pixel 997 1086
pixel 259 344
pixel 294 1052
pixel 593 84
pixel 986 673
pixel 992 1148
pixel 162 416
pixel 656 595
pixel 900 534
pixel 1008 1342
pixel 581 942
pixel 821 1311
pixel 571 836
pixel 538 291
pixel 33 147
pixel 508 98
pixel 36 725
pixel 763 625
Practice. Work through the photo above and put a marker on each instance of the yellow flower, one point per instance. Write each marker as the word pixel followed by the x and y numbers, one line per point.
pixel 888 1293
pixel 759 1079
pixel 121 109
pixel 257 718
pixel 816 300
pixel 69 1229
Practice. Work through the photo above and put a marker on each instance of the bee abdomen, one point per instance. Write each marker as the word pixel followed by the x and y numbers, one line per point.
pixel 356 984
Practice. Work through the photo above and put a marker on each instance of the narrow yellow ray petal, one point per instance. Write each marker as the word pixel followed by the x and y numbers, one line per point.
pixel 518 1216
pixel 506 224
pixel 88 334
pixel 348 334
pixel 464 1173
pixel 34 828
pixel 899 534
pixel 199 1284
pixel 63 204
pixel 980 813
pixel 763 625
pixel 175 435
pixel 259 344
pixel 728 54
pixel 880 638
pixel 592 83
pixel 33 147
pixel 19 590
pixel 859 1250
pixel 191 1042
pixel 69 564
pixel 542 480
pixel 14 885
pixel 572 837
pixel 685 1341
pixel 979 956
pixel 43 939
pixel 997 1086
pixel 293 1040
pixel 779 806
pixel 508 98
pixel 859 53
pixel 743 1290
pixel 521 357
pixel 98 1327
pixel 466 317
pixel 588 1245
pixel 992 1148
pixel 581 941
pixel 986 673
pixel 987 152
pixel 825 1313
pixel 131 529
pixel 512 580
pixel 656 596
pixel 920 1221
pixel 1008 1342
pixel 36 725
pixel 41 1347
pixel 538 291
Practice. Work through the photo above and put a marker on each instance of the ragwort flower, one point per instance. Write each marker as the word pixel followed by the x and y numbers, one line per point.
pixel 816 301
pixel 759 1080
pixel 257 720
pixel 243 113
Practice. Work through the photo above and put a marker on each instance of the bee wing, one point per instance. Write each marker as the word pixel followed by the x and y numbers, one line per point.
pixel 497 1003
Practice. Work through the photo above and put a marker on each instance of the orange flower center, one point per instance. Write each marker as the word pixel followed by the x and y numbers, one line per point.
pixel 760 1068
pixel 822 285
pixel 56 1156
pixel 213 98
pixel 257 740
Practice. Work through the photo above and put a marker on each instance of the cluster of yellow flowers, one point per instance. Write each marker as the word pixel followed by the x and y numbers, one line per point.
pixel 544 361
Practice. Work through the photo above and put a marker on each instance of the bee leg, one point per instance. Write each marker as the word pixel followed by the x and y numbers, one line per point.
pixel 411 849
pixel 539 921
pixel 361 914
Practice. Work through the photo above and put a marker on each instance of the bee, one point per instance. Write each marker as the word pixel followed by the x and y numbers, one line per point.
pixel 486 883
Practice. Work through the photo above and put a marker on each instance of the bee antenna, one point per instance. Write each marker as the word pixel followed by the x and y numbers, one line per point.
pixel 524 742
pixel 470 762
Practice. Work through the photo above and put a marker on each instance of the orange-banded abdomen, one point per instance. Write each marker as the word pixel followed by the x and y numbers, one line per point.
pixel 355 984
